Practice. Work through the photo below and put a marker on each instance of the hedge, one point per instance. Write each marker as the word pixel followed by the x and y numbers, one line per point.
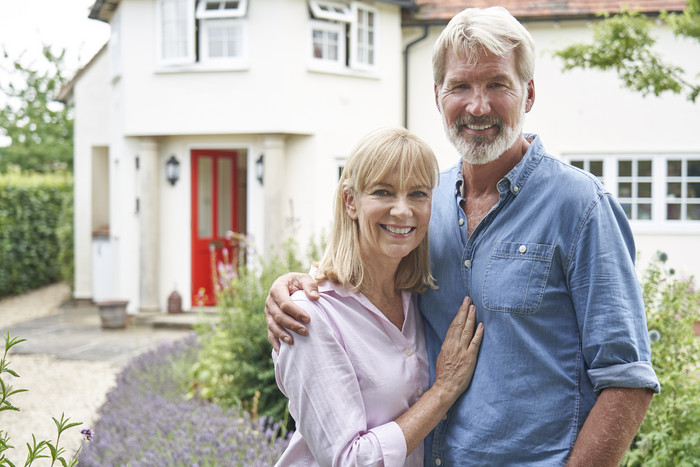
pixel 36 231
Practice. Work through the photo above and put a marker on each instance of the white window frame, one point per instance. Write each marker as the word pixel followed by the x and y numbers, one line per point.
pixel 188 19
pixel 331 11
pixel 345 19
pixel 239 60
pixel 222 11
pixel 659 196
pixel 328 27
pixel 357 40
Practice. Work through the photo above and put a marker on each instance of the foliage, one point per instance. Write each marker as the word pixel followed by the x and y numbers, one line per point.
pixel 37 450
pixel 624 43
pixel 669 434
pixel 235 367
pixel 36 225
pixel 146 420
pixel 41 129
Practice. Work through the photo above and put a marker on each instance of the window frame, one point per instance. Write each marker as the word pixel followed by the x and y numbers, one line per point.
pixel 189 19
pixel 238 12
pixel 240 60
pixel 659 189
pixel 355 38
pixel 329 27
pixel 347 24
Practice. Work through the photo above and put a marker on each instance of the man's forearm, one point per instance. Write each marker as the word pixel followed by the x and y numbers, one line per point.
pixel 610 427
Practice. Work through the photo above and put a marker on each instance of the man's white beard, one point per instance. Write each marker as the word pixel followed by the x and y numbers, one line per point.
pixel 478 150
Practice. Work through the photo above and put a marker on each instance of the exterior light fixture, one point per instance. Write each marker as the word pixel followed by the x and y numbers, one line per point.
pixel 172 170
pixel 259 169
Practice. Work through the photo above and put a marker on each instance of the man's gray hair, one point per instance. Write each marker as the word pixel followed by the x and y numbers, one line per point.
pixel 476 30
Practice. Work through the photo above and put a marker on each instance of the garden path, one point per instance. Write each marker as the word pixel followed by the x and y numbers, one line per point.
pixel 68 364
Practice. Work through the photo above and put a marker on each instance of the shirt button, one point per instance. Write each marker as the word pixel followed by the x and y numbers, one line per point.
pixel 461 222
pixel 408 351
pixel 438 461
pixel 444 417
pixel 467 263
pixel 522 249
pixel 515 189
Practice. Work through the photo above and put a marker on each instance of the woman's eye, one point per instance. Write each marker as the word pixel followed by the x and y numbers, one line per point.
pixel 419 194
pixel 380 193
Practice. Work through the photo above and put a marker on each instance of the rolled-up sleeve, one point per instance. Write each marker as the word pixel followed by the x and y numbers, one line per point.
pixel 608 301
pixel 325 399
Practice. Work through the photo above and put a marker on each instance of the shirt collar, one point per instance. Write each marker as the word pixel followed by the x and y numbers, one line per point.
pixel 518 176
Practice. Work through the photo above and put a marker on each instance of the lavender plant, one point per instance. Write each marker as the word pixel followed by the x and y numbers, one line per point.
pixel 147 420
pixel 36 450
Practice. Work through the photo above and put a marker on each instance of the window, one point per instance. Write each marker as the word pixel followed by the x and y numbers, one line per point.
pixel 657 189
pixel 634 188
pixel 221 37
pixel 343 36
pixel 683 189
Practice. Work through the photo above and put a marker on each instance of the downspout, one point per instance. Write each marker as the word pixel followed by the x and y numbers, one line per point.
pixel 405 73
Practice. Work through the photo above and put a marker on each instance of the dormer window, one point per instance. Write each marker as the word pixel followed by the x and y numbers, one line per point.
pixel 221 33
pixel 343 36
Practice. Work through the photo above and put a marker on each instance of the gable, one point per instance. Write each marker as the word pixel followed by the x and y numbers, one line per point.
pixel 444 10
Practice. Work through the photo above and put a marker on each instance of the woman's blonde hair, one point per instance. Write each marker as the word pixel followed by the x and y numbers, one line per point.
pixel 477 30
pixel 383 153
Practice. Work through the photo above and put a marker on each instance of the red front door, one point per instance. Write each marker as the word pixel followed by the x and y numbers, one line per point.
pixel 214 188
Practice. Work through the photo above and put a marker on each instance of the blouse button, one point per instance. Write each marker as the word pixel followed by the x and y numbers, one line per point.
pixel 408 351
pixel 419 392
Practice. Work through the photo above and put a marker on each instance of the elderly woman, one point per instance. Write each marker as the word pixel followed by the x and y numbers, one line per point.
pixel 358 382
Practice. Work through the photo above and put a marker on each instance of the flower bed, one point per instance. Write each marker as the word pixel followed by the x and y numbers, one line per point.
pixel 147 420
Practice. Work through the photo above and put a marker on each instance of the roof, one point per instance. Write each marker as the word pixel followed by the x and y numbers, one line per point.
pixel 444 10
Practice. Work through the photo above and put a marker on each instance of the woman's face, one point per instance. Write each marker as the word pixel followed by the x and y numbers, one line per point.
pixel 392 220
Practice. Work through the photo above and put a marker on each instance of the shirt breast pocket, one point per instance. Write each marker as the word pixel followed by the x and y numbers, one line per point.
pixel 516 277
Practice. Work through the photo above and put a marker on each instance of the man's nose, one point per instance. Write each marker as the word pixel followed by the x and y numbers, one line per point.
pixel 478 104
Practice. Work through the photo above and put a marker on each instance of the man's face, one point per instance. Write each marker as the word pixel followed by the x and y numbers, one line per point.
pixel 483 105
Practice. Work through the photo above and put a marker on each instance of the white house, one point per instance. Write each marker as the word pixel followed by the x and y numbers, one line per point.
pixel 258 102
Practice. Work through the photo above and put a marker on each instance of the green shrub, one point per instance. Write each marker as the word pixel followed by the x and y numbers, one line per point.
pixel 235 367
pixel 669 434
pixel 36 225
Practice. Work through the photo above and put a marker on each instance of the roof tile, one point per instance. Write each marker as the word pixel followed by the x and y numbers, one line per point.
pixel 444 10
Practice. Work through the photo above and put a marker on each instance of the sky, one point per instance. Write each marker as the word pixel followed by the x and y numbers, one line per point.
pixel 25 25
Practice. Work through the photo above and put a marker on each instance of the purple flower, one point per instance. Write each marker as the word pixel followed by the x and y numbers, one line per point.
pixel 88 433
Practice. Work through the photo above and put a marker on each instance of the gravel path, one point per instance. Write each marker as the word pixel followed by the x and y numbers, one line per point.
pixel 74 387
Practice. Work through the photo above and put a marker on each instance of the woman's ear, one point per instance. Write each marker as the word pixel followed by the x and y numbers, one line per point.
pixel 349 198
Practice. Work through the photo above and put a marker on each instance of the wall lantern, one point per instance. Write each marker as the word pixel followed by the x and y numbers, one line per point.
pixel 259 169
pixel 172 170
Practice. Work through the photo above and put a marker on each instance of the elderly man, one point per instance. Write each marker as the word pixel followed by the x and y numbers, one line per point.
pixel 547 256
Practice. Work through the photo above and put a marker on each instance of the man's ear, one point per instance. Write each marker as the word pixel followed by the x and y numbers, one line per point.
pixel 530 89
pixel 349 198
pixel 437 103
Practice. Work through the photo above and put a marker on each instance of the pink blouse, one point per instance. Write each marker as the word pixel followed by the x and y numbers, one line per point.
pixel 349 379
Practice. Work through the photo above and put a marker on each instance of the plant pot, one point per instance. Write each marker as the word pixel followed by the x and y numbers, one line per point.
pixel 113 314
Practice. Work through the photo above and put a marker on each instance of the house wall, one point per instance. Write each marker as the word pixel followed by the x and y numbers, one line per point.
pixel 586 112
pixel 91 138
pixel 304 122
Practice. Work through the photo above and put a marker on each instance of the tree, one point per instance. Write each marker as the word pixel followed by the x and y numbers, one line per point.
pixel 623 43
pixel 40 128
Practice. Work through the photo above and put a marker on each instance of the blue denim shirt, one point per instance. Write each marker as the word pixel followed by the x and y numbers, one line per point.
pixel 550 270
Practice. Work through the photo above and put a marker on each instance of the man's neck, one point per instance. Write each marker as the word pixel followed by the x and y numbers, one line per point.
pixel 482 180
